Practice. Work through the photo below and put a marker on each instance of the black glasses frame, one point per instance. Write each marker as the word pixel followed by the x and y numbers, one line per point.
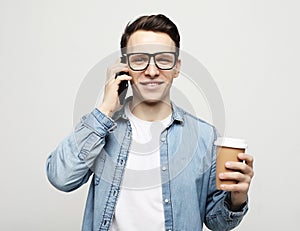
pixel 152 55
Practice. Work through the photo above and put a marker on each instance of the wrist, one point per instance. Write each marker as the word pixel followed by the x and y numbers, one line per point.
pixel 105 110
pixel 237 201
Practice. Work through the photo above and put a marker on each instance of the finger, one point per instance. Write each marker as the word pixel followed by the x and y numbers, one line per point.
pixel 248 159
pixel 122 77
pixel 236 176
pixel 114 69
pixel 240 187
pixel 115 82
pixel 239 167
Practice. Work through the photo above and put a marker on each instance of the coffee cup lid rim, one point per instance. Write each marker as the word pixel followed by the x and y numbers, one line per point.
pixel 231 142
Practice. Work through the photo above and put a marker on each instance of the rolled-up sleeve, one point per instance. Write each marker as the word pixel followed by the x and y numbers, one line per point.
pixel 69 165
pixel 219 217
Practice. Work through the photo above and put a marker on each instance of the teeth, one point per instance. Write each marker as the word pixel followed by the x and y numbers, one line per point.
pixel 152 84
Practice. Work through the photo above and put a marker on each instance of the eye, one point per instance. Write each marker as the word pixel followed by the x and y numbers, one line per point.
pixel 165 59
pixel 138 59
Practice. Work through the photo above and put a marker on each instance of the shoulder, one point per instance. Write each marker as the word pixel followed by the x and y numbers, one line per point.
pixel 186 117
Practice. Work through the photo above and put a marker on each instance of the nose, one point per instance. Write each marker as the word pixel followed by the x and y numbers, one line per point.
pixel 152 71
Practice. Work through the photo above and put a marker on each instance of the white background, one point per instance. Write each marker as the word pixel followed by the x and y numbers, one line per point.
pixel 251 49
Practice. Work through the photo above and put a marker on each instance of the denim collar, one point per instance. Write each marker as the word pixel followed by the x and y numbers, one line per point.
pixel 177 112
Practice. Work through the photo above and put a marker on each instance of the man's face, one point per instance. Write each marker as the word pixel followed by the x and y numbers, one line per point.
pixel 152 84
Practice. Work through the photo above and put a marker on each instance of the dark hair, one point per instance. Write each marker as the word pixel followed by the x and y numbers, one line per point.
pixel 156 23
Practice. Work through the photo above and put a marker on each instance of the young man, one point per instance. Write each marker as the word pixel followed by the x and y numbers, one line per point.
pixel 153 164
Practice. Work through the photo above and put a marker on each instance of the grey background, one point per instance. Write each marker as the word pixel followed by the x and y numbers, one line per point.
pixel 251 48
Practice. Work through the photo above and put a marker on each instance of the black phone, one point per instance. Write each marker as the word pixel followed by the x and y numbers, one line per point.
pixel 123 87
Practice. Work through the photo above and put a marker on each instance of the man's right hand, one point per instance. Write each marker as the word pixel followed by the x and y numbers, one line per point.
pixel 111 102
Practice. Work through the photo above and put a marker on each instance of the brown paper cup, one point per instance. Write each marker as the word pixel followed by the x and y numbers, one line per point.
pixel 227 150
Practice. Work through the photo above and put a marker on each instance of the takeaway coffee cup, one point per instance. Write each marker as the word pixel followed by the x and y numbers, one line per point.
pixel 227 150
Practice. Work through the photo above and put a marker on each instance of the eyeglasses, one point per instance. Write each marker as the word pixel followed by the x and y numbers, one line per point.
pixel 162 60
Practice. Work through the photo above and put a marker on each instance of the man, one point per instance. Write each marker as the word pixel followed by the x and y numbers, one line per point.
pixel 153 164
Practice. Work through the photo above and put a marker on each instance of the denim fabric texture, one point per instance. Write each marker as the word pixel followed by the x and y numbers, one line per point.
pixel 98 148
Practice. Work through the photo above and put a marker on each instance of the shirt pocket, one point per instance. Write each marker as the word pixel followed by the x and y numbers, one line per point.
pixel 90 143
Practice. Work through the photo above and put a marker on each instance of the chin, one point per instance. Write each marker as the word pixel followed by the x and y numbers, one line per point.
pixel 143 98
pixel 152 101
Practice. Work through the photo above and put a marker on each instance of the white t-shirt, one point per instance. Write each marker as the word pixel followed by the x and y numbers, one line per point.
pixel 140 206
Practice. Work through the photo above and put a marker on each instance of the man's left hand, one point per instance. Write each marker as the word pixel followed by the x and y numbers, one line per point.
pixel 242 174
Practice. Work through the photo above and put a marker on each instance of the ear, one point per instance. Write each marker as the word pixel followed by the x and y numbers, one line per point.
pixel 177 68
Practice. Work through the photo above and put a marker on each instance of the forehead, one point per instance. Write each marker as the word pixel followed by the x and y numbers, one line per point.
pixel 149 41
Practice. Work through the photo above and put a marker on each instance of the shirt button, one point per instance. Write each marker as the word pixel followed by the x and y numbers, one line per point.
pixel 163 139
pixel 166 200
pixel 164 168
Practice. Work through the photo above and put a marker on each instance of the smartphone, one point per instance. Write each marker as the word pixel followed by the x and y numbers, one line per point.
pixel 123 87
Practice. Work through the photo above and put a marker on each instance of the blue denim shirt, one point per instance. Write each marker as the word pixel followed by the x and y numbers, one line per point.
pixel 99 146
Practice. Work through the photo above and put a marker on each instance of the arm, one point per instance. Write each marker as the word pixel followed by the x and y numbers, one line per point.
pixel 219 215
pixel 69 166
pixel 225 209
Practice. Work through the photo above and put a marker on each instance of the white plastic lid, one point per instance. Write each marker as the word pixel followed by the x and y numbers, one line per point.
pixel 231 143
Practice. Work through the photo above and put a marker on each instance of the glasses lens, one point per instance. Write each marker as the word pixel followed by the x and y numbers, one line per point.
pixel 138 61
pixel 165 60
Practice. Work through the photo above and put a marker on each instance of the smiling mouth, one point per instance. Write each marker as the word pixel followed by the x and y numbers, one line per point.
pixel 151 84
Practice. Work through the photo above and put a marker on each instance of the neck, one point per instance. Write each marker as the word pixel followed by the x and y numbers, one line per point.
pixel 151 111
